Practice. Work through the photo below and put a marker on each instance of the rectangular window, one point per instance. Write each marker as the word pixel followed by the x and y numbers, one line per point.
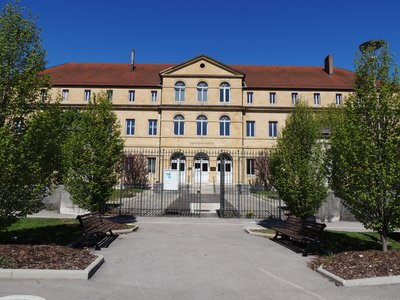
pixel 151 164
pixel 250 166
pixel 109 95
pixel 131 96
pixel 65 94
pixel 273 129
pixel 317 99
pixel 153 96
pixel 152 127
pixel 250 128
pixel 250 97
pixel 87 94
pixel 130 126
pixel 295 98
pixel 43 95
pixel 338 99
pixel 272 98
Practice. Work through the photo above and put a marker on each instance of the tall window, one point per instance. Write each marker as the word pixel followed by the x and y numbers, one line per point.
pixel 153 96
pixel 272 98
pixel 224 92
pixel 250 166
pixel 130 126
pixel 151 164
pixel 224 126
pixel 338 99
pixel 65 94
pixel 295 98
pixel 87 94
pixel 317 98
pixel 152 127
pixel 202 91
pixel 131 96
pixel 179 125
pixel 273 129
pixel 179 91
pixel 109 95
pixel 250 97
pixel 201 125
pixel 43 95
pixel 250 128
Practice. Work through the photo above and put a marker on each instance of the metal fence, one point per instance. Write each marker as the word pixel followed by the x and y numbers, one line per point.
pixel 191 183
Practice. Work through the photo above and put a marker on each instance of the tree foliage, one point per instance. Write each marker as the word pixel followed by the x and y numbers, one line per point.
pixel 22 58
pixel 136 170
pixel 364 156
pixel 297 165
pixel 22 185
pixel 92 155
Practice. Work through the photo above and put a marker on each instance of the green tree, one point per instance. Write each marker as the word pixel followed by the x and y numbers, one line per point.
pixel 92 155
pixel 22 58
pixel 297 165
pixel 364 156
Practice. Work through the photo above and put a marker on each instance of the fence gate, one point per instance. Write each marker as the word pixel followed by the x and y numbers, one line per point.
pixel 199 184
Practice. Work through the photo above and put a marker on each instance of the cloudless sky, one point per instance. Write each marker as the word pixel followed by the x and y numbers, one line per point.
pixel 279 32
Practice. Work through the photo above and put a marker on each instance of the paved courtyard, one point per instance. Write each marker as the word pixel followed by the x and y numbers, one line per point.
pixel 171 258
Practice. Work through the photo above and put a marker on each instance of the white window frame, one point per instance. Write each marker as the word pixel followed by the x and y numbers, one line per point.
pixel 225 92
pixel 250 128
pixel 152 127
pixel 272 98
pixel 273 131
pixel 225 122
pixel 202 124
pixel 180 91
pixel 250 97
pixel 151 165
pixel 86 95
pixel 65 94
pixel 130 126
pixel 131 95
pixel 295 98
pixel 338 99
pixel 317 99
pixel 179 124
pixel 153 96
pixel 202 91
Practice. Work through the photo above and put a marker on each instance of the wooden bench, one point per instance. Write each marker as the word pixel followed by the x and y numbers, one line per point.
pixel 303 231
pixel 94 226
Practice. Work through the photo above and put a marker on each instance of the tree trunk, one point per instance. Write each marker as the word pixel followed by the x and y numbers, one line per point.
pixel 384 241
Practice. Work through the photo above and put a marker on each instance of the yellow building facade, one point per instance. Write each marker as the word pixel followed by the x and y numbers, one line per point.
pixel 198 110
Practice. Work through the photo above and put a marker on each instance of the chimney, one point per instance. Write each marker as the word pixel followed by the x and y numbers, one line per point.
pixel 132 59
pixel 329 64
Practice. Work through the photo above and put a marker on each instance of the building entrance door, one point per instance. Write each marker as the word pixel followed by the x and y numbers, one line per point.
pixel 201 168
pixel 228 167
pixel 178 162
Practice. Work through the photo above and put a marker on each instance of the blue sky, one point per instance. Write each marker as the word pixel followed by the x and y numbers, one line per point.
pixel 287 32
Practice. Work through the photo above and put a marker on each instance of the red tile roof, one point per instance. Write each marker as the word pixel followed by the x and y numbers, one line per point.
pixel 279 77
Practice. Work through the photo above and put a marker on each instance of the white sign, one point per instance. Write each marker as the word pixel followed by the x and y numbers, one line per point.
pixel 171 180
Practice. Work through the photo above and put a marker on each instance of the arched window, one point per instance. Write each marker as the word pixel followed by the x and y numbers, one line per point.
pixel 224 126
pixel 202 125
pixel 224 92
pixel 180 91
pixel 202 91
pixel 179 125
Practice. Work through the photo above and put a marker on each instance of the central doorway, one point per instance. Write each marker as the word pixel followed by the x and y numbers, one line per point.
pixel 201 168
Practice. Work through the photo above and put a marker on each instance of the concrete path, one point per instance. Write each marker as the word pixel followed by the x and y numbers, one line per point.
pixel 179 258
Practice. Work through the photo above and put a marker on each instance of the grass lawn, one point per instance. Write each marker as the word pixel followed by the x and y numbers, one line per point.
pixel 126 193
pixel 340 241
pixel 43 231
pixel 268 194
pixel 265 230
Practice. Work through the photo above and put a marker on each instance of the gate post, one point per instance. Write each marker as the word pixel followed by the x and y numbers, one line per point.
pixel 222 187
pixel 121 184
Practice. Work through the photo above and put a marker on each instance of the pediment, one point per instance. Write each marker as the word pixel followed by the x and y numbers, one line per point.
pixel 202 66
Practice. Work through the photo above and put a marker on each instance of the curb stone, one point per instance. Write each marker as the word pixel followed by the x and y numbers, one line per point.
pixel 53 274
pixel 123 231
pixel 357 282
pixel 249 230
